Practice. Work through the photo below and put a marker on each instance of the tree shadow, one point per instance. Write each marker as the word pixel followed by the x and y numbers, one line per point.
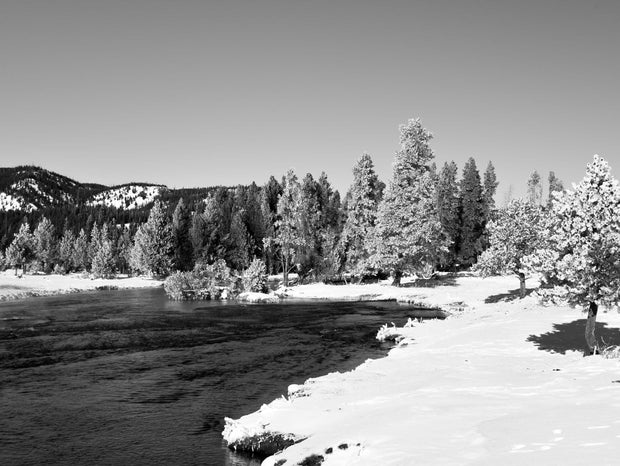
pixel 570 337
pixel 433 282
pixel 511 295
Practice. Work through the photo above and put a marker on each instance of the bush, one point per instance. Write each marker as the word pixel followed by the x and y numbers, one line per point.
pixel 255 277
pixel 206 281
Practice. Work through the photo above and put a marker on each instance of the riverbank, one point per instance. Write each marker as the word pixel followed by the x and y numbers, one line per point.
pixel 18 287
pixel 503 383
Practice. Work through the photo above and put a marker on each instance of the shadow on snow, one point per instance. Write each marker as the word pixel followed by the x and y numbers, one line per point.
pixel 511 295
pixel 570 337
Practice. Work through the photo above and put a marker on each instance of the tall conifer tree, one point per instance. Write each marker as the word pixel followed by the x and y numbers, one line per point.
pixel 472 212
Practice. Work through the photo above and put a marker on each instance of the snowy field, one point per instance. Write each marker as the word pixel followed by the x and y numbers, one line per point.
pixel 502 382
pixel 13 287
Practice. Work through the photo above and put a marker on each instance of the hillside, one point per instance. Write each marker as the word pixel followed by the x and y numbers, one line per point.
pixel 29 188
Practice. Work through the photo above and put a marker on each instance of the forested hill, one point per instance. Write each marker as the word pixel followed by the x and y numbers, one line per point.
pixel 34 192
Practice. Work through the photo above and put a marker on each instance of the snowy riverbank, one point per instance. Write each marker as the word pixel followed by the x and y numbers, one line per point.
pixel 503 383
pixel 13 287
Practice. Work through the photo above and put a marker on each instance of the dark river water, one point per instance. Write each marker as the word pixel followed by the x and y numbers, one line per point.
pixel 129 377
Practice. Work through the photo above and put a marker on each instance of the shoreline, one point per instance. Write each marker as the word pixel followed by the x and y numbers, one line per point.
pixel 503 381
pixel 14 288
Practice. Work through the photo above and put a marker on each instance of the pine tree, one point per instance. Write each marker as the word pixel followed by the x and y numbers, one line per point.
pixel 489 188
pixel 45 245
pixel 448 202
pixel 22 249
pixel 81 259
pixel 515 234
pixel 472 213
pixel 534 189
pixel 364 196
pixel 581 255
pixel 240 242
pixel 153 244
pixel 288 236
pixel 66 249
pixel 181 224
pixel 555 186
pixel 123 251
pixel 408 235
pixel 103 262
pixel 94 244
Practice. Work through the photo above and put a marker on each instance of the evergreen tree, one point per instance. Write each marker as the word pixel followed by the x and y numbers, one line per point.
pixel 240 242
pixel 515 234
pixel 581 255
pixel 288 236
pixel 408 235
pixel 45 245
pixel 103 262
pixel 66 249
pixel 448 202
pixel 489 188
pixel 364 196
pixel 555 186
pixel 22 249
pixel 472 213
pixel 534 189
pixel 181 224
pixel 81 259
pixel 94 244
pixel 123 251
pixel 153 244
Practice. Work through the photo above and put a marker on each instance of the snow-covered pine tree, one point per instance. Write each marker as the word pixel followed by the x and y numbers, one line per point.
pixel 472 214
pixel 448 201
pixel 181 224
pixel 103 262
pixel 581 254
pixel 45 245
pixel 81 259
pixel 408 236
pixel 153 244
pixel 22 248
pixel 364 196
pixel 534 188
pixel 288 237
pixel 514 234
pixel 94 244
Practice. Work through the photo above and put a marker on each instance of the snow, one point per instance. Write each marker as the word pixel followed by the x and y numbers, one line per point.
pixel 472 389
pixel 13 287
pixel 127 197
pixel 9 202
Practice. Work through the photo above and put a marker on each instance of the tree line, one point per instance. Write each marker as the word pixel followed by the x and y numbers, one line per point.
pixel 424 219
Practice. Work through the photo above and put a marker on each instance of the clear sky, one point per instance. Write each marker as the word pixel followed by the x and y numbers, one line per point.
pixel 196 93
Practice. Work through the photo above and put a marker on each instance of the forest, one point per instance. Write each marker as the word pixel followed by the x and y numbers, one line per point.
pixel 424 219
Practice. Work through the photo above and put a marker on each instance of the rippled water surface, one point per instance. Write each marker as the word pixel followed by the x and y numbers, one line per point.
pixel 128 377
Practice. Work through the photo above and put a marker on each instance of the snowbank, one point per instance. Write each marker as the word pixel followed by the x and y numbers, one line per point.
pixel 503 383
pixel 13 287
pixel 253 297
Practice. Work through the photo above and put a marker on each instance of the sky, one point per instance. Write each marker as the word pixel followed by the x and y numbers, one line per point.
pixel 198 93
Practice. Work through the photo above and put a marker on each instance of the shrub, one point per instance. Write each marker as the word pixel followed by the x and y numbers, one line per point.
pixel 255 277
pixel 206 281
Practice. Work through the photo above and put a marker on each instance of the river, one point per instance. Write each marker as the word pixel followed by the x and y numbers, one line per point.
pixel 129 377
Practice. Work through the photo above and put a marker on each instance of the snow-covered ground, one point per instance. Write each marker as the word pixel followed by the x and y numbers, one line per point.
pixel 12 287
pixel 127 197
pixel 503 382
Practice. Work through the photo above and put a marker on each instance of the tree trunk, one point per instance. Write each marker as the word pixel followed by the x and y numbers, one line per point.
pixel 522 290
pixel 592 347
pixel 397 276
pixel 285 272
